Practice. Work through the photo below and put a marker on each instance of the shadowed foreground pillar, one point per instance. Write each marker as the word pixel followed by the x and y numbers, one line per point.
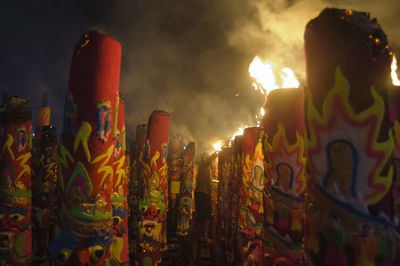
pixel 350 143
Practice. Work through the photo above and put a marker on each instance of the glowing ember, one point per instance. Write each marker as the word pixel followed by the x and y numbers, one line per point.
pixel 395 79
pixel 265 79
pixel 218 146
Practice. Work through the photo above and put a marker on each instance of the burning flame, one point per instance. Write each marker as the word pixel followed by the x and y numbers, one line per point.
pixel 265 79
pixel 218 146
pixel 239 132
pixel 395 79
pixel 289 80
pixel 263 74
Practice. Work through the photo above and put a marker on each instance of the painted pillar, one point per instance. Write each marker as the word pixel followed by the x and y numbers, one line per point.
pixel 251 207
pixel 136 188
pixel 237 164
pixel 86 163
pixel 350 140
pixel 224 200
pixel 396 151
pixel 285 161
pixel 40 208
pixel 44 194
pixel 174 177
pixel 15 185
pixel 214 194
pixel 187 188
pixel 42 119
pixel 153 205
pixel 120 245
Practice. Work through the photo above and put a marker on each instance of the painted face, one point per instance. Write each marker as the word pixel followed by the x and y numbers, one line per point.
pixel 103 120
pixel 14 221
pixel 151 215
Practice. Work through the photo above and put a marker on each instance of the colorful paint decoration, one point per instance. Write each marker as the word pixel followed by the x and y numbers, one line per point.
pixel 86 161
pixel 344 195
pixel 15 185
pixel 285 173
pixel 136 189
pixel 351 213
pixel 174 180
pixel 251 209
pixel 153 204
pixel 224 201
pixel 396 150
pixel 237 168
pixel 188 186
pixel 44 194
pixel 120 244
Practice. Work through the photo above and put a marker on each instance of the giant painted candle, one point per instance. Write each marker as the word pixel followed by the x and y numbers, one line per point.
pixel 153 205
pixel 120 246
pixel 350 140
pixel 86 163
pixel 237 167
pixel 283 125
pixel 15 185
pixel 42 119
pixel 174 176
pixel 44 194
pixel 251 198
pixel 187 188
pixel 224 199
pixel 136 187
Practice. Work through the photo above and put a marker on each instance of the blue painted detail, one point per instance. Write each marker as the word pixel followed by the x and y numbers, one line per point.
pixel 354 158
pixel 69 117
pixel 279 175
pixel 100 238
pixel 277 236
pixel 66 241
pixel 103 121
pixel 354 211
pixel 280 192
pixel 17 210
pixel 7 173
pixel 119 211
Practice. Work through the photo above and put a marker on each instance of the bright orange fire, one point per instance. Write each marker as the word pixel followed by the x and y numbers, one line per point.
pixel 218 146
pixel 395 79
pixel 239 132
pixel 265 78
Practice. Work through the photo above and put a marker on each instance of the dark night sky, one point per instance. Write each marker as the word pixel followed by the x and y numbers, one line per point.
pixel 187 57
